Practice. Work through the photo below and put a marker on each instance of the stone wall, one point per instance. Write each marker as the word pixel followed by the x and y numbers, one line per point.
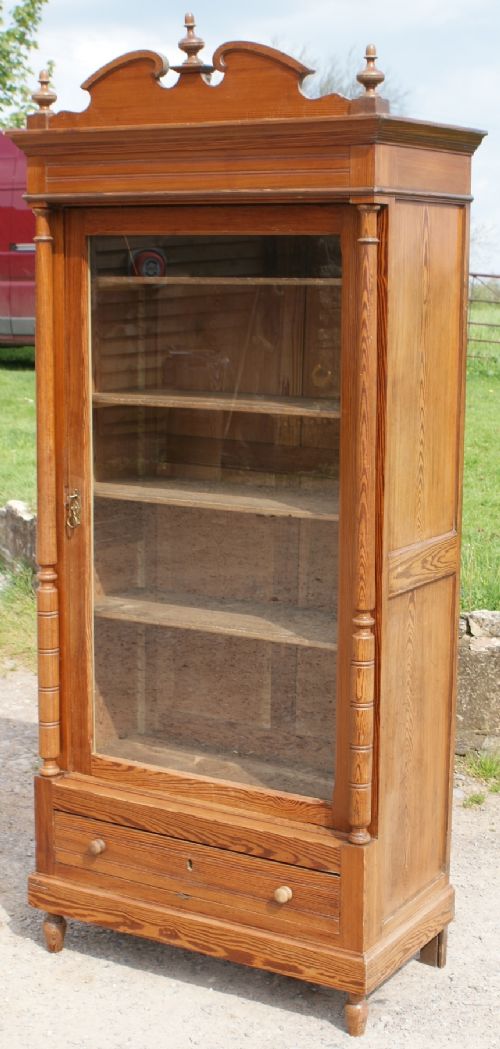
pixel 478 701
pixel 17 533
pixel 478 706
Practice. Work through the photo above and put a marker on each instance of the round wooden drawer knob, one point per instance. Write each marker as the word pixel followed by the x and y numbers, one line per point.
pixel 97 846
pixel 283 894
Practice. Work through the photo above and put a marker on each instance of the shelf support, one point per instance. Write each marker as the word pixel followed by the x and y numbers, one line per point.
pixel 47 596
pixel 363 638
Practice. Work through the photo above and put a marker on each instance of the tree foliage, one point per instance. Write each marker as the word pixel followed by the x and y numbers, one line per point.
pixel 339 76
pixel 335 75
pixel 18 38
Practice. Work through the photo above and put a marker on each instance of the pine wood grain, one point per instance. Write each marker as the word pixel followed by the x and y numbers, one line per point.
pixel 298 406
pixel 330 966
pixel 420 545
pixel 407 938
pixel 278 626
pixel 327 965
pixel 75 454
pixel 60 468
pixel 269 502
pixel 422 563
pixel 363 638
pixel 131 283
pixel 419 625
pixel 254 155
pixel 216 904
pixel 47 593
pixel 286 761
pixel 422 403
pixel 196 878
pixel 44 825
pixel 250 798
pixel 285 841
pixel 194 865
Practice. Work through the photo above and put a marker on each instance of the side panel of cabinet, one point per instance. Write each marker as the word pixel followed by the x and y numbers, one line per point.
pixel 425 256
pixel 424 422
pixel 414 803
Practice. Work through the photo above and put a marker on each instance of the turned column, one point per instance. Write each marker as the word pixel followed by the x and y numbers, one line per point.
pixel 363 637
pixel 47 598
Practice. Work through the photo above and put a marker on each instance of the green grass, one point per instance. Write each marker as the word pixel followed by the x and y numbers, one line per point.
pixel 480 581
pixel 17 431
pixel 17 356
pixel 17 618
pixel 474 800
pixel 485 767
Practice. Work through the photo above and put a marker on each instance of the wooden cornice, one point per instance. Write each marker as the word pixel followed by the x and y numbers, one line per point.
pixel 254 133
pixel 355 130
pixel 296 195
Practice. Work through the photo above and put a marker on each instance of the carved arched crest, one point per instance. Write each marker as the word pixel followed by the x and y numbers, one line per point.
pixel 258 82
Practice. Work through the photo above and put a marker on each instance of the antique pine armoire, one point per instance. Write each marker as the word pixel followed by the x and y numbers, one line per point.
pixel 250 369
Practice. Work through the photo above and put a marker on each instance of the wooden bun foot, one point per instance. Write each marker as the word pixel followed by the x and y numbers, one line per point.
pixel 356 1014
pixel 54 928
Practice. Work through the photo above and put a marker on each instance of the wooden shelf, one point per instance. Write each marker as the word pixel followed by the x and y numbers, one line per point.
pixel 218 402
pixel 280 625
pixel 293 777
pixel 269 502
pixel 162 282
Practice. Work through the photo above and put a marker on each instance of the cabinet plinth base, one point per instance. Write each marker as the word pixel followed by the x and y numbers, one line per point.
pixel 356 1014
pixel 355 973
pixel 54 930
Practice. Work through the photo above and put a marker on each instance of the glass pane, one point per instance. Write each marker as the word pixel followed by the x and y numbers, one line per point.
pixel 216 410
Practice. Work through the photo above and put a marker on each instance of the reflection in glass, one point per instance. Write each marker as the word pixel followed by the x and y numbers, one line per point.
pixel 216 411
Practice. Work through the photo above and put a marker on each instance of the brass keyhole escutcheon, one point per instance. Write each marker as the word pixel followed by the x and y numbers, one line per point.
pixel 283 894
pixel 73 510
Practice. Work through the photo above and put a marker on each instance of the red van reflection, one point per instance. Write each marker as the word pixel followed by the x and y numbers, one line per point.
pixel 17 251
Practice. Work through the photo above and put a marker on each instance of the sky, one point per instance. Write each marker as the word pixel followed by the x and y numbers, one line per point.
pixel 444 54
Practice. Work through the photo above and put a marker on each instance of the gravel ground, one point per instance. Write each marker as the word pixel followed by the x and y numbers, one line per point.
pixel 111 991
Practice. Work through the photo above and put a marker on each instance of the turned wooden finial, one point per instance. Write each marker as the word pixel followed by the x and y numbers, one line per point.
pixel 191 44
pixel 370 77
pixel 45 96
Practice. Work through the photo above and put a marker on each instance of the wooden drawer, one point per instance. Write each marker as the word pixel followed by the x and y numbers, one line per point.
pixel 196 878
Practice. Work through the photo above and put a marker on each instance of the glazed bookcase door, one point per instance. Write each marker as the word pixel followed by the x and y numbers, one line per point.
pixel 214 410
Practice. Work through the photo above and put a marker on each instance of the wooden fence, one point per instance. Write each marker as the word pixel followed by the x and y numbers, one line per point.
pixel 484 315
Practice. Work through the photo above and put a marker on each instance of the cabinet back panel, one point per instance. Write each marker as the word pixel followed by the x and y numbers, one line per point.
pixel 131 442
pixel 242 556
pixel 190 348
pixel 226 707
